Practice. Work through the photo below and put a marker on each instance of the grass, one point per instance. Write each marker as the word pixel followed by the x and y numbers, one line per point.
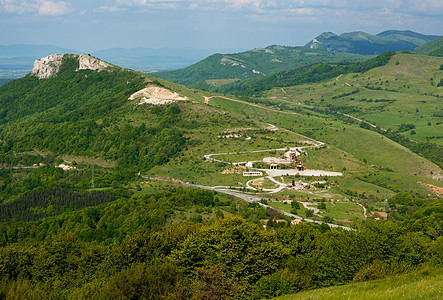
pixel 283 206
pixel 220 82
pixel 338 210
pixel 416 285
pixel 355 185
pixel 357 150
pixel 343 211
pixel 373 165
pixel 403 92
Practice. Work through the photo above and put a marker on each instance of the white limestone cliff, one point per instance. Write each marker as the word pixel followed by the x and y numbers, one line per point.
pixel 86 62
pixel 49 66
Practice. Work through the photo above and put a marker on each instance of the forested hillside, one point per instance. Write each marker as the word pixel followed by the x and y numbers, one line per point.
pixel 95 201
pixel 308 74
pixel 228 258
pixel 82 113
pixel 432 48
pixel 219 69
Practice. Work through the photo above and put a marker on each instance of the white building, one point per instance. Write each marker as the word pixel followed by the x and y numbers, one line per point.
pixel 252 173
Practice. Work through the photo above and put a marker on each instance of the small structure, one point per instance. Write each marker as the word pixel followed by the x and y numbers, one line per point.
pixel 273 166
pixel 235 170
pixel 252 173
pixel 276 160
pixel 295 221
pixel 300 166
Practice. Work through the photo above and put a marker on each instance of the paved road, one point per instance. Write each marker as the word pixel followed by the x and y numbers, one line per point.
pixel 19 168
pixel 249 198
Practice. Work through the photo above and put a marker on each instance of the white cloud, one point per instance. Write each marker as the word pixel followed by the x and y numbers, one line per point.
pixel 40 7
pixel 16 7
pixel 109 9
pixel 374 12
pixel 49 8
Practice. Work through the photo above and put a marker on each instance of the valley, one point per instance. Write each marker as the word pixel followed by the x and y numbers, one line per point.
pixel 124 178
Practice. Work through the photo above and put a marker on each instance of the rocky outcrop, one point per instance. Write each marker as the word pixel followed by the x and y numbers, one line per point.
pixel 156 95
pixel 87 62
pixel 48 66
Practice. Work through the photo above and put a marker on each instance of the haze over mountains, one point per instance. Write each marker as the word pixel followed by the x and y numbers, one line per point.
pixel 17 60
pixel 217 70
pixel 367 44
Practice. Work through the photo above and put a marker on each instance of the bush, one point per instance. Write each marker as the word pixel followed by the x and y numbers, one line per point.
pixel 376 270
pixel 295 205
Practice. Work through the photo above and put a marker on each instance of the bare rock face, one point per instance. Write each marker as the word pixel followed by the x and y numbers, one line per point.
pixel 156 95
pixel 86 62
pixel 48 66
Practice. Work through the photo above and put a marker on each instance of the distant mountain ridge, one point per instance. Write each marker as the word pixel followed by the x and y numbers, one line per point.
pixel 219 69
pixel 367 44
pixel 17 60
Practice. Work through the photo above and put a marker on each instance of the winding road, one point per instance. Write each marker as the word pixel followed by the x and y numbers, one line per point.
pixel 251 199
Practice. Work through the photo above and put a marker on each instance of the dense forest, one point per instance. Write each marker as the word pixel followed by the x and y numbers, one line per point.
pixel 130 249
pixel 82 113
pixel 311 73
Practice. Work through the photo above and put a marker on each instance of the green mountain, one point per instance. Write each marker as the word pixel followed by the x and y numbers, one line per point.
pixel 400 93
pixel 367 44
pixel 219 69
pixel 432 48
pixel 97 164
pixel 306 74
pixel 17 60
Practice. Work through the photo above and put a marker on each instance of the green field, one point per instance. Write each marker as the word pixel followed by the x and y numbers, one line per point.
pixel 343 211
pixel 336 210
pixel 417 285
pixel 403 91
pixel 357 151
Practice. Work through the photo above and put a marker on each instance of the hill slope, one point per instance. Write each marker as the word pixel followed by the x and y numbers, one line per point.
pixel 215 69
pixel 311 73
pixel 432 48
pixel 409 286
pixel 368 44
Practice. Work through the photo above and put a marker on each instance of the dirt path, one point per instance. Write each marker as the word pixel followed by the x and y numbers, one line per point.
pixel 364 210
pixel 360 120
pixel 207 99
pixel 315 209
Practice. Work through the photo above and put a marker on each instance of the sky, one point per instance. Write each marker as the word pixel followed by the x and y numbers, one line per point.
pixel 90 25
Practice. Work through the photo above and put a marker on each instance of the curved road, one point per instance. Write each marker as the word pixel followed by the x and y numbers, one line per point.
pixel 249 198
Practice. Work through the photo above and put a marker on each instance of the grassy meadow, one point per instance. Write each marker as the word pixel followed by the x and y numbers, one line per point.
pixel 417 285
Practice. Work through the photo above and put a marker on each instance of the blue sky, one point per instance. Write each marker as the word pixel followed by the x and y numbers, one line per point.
pixel 93 25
